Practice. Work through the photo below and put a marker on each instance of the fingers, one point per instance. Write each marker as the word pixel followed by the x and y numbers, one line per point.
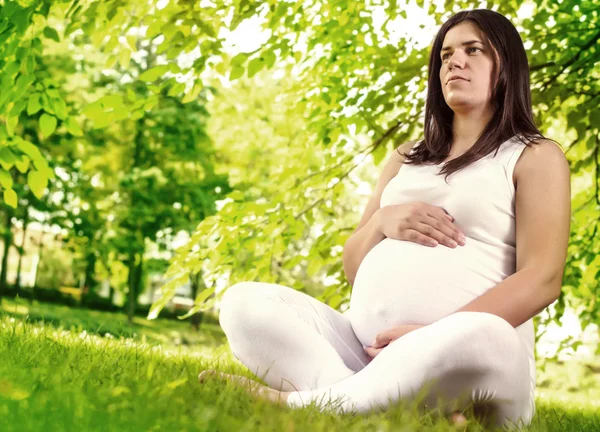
pixel 380 341
pixel 444 231
pixel 437 231
pixel 416 236
pixel 372 352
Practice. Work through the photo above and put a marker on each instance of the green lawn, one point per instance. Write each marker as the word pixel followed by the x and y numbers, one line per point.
pixel 171 335
pixel 56 379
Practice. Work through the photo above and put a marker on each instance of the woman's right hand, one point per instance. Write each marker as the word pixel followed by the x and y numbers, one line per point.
pixel 421 223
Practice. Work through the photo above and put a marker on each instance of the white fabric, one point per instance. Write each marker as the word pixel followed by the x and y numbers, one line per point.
pixel 401 282
pixel 295 342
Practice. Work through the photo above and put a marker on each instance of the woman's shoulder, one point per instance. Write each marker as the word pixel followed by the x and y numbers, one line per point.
pixel 404 149
pixel 543 155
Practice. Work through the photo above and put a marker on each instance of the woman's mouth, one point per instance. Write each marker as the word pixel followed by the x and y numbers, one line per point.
pixel 456 80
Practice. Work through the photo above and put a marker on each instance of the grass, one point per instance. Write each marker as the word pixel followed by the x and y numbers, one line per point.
pixel 64 378
pixel 171 335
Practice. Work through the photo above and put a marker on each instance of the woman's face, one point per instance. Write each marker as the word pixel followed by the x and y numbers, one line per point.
pixel 464 54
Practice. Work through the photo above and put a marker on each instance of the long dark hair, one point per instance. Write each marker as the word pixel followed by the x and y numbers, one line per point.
pixel 511 97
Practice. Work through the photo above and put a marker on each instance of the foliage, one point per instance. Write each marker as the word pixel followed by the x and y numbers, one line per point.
pixel 55 270
pixel 356 81
pixel 352 88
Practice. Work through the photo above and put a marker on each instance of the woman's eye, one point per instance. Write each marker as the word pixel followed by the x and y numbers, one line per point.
pixel 445 56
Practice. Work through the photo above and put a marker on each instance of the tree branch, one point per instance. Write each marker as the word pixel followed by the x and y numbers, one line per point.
pixel 571 61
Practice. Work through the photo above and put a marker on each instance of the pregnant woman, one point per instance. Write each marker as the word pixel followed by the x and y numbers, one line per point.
pixel 462 243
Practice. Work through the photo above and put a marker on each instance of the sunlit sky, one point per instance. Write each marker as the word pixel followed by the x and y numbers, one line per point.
pixel 249 35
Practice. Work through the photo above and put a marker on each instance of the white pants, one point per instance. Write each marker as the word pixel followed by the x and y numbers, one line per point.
pixel 295 343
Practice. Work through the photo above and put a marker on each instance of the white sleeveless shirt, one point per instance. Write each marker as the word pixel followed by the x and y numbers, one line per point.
pixel 402 282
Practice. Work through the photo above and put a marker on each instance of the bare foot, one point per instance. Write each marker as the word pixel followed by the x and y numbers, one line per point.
pixel 458 418
pixel 253 388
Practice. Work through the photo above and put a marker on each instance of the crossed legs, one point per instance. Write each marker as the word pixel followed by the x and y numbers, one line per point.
pixel 309 352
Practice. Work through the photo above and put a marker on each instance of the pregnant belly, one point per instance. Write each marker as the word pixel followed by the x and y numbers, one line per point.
pixel 401 282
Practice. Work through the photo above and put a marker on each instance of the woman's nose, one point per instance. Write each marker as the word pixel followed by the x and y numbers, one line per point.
pixel 456 60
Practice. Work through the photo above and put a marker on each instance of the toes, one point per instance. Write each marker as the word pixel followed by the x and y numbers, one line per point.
pixel 206 375
pixel 458 418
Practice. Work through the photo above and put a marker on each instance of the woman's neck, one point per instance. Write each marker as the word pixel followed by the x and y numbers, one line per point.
pixel 467 126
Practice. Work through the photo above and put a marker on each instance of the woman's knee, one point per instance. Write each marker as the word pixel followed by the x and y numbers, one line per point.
pixel 241 305
pixel 486 324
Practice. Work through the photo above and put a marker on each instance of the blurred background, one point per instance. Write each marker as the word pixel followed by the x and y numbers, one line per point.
pixel 153 153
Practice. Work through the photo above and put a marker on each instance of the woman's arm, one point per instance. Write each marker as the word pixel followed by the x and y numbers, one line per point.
pixel 367 234
pixel 543 216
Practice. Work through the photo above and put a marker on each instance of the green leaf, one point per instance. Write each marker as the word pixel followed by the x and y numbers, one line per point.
pixel 201 298
pixel 125 57
pixel 236 72
pixel 174 68
pixel 254 66
pixel 73 127
pixel 34 104
pixel 270 58
pixel 23 83
pixel 50 33
pixel 23 164
pixel 239 59
pixel 151 103
pixel 11 124
pixel 595 118
pixel 236 195
pixel 18 108
pixel 154 29
pixel 30 150
pixel 111 44
pixel 176 89
pixel 5 94
pixel 29 65
pixel 102 122
pixel 111 61
pixel 37 182
pixel 10 197
pixel 111 101
pixel 379 154
pixel 60 107
pixel 47 124
pixel 93 111
pixel 193 94
pixel 11 69
pixel 154 73
pixel 6 179
pixel 131 95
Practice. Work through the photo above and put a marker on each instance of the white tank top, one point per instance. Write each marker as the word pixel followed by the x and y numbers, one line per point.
pixel 402 282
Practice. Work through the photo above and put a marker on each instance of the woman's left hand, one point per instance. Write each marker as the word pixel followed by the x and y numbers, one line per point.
pixel 386 337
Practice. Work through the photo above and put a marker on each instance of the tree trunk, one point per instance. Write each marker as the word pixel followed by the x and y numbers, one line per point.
pixel 138 278
pixel 196 282
pixel 131 285
pixel 89 282
pixel 132 279
pixel 111 293
pixel 37 267
pixel 90 271
pixel 134 282
pixel 22 249
pixel 8 237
